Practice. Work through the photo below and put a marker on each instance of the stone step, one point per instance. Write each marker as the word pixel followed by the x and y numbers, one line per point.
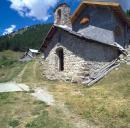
pixel 83 72
pixel 83 78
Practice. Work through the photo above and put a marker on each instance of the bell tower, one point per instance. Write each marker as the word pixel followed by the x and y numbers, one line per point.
pixel 62 15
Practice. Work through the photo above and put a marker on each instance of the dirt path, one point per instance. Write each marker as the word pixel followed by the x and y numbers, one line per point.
pixel 42 94
pixel 34 68
pixel 74 119
pixel 18 79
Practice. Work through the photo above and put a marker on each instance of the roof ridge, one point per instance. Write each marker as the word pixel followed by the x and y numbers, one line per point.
pixel 115 5
pixel 102 2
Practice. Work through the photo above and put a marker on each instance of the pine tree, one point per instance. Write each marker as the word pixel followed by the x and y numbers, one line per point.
pixel 32 37
pixel 128 13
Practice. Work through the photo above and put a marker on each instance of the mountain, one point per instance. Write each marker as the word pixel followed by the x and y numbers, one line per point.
pixel 21 40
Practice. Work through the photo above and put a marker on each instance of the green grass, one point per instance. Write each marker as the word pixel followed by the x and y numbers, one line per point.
pixel 14 123
pixel 48 121
pixel 11 54
pixel 8 73
pixel 10 67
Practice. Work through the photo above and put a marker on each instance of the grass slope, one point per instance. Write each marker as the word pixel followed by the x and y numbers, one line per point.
pixel 106 104
pixel 9 65
pixel 23 111
pixel 20 109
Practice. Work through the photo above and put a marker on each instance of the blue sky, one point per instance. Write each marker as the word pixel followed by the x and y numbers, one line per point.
pixel 16 14
pixel 11 17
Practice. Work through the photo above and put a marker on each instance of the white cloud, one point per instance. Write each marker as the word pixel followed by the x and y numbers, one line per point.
pixel 37 9
pixel 9 30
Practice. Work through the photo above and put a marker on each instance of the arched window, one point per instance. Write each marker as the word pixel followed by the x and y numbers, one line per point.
pixel 60 55
pixel 85 20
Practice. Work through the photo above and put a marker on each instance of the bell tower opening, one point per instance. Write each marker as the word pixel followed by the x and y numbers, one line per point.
pixel 62 15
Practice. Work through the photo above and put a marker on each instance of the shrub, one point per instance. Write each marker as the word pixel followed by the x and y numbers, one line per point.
pixel 14 123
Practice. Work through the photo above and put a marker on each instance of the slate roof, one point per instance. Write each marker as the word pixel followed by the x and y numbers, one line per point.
pixel 54 28
pixel 113 5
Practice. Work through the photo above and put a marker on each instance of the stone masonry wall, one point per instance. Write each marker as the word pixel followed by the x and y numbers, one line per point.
pixel 81 58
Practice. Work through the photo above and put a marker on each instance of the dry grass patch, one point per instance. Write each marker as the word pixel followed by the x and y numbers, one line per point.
pixel 22 110
pixel 11 54
pixel 107 104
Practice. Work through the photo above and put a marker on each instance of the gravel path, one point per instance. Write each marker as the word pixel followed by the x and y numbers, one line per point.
pixel 43 95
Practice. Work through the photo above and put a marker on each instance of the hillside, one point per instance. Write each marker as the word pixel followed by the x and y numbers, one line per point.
pixel 9 65
pixel 104 105
pixel 30 37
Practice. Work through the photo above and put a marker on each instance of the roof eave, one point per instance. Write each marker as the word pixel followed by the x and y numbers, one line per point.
pixel 46 36
pixel 114 6
pixel 82 37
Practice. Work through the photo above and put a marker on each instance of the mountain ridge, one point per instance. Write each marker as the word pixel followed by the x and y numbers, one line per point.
pixel 21 40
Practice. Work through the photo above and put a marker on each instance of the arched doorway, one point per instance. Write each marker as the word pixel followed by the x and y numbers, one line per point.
pixel 59 15
pixel 60 55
